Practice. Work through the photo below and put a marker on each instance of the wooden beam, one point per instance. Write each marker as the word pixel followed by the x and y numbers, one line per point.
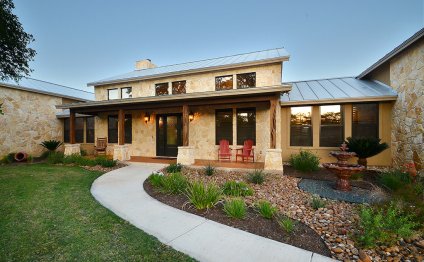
pixel 72 127
pixel 273 123
pixel 186 124
pixel 121 127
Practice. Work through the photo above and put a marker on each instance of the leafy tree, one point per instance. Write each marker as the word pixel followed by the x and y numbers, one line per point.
pixel 14 51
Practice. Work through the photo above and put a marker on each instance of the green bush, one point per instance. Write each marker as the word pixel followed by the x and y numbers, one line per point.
pixel 44 155
pixel 317 202
pixel 394 179
pixel 209 170
pixel 383 226
pixel 256 177
pixel 78 160
pixel 105 162
pixel 8 159
pixel 29 159
pixel 83 152
pixel 305 161
pixel 235 208
pixel 173 168
pixel 203 196
pixel 55 157
pixel 237 189
pixel 51 145
pixel 365 147
pixel 156 180
pixel 265 209
pixel 174 183
pixel 286 223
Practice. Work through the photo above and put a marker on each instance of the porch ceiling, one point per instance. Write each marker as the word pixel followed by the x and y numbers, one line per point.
pixel 257 94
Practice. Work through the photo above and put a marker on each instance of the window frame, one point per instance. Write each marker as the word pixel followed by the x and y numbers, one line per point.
pixel 87 130
pixel 232 82
pixel 167 88
pixel 110 89
pixel 230 111
pixel 377 118
pixel 108 130
pixel 122 89
pixel 181 81
pixel 311 126
pixel 66 130
pixel 342 125
pixel 128 135
pixel 237 80
pixel 242 110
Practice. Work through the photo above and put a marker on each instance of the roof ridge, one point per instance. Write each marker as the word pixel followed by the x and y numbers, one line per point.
pixel 59 85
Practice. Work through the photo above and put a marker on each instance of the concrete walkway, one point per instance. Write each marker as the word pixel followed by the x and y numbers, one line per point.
pixel 122 192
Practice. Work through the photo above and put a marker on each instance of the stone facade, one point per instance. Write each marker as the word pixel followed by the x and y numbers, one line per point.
pixel 29 119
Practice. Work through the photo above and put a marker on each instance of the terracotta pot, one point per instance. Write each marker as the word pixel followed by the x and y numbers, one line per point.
pixel 21 156
pixel 362 162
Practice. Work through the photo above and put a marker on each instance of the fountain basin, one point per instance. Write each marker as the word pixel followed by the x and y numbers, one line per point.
pixel 343 173
pixel 342 157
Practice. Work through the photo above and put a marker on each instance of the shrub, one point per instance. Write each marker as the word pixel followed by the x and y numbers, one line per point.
pixel 9 158
pixel 317 202
pixel 235 208
pixel 51 145
pixel 237 189
pixel 209 170
pixel 256 177
pixel 305 161
pixel 83 152
pixel 55 157
pixel 286 223
pixel 173 168
pixel 383 226
pixel 394 179
pixel 365 147
pixel 29 159
pixel 357 176
pixel 156 180
pixel 104 162
pixel 44 155
pixel 203 196
pixel 78 160
pixel 174 183
pixel 266 209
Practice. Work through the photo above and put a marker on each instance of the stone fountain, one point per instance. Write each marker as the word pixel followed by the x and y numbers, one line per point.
pixel 342 169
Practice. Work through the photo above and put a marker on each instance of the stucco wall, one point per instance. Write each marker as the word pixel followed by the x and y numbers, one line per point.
pixel 29 118
pixel 407 78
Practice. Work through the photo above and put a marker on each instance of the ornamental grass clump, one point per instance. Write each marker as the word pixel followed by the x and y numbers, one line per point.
pixel 156 180
pixel 209 170
pixel 265 209
pixel 55 158
pixel 235 208
pixel 105 162
pixel 78 160
pixel 256 177
pixel 173 168
pixel 317 203
pixel 286 223
pixel 305 161
pixel 236 189
pixel 174 183
pixel 203 196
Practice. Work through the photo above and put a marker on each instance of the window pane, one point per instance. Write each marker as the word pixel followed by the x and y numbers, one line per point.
pixel 161 89
pixel 112 129
pixel 332 129
pixel 365 120
pixel 113 94
pixel 246 80
pixel 246 125
pixel 89 130
pixel 79 130
pixel 126 92
pixel 66 123
pixel 223 83
pixel 128 129
pixel 301 126
pixel 179 87
pixel 224 125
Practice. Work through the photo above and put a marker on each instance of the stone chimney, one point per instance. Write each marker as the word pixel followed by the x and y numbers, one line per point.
pixel 144 64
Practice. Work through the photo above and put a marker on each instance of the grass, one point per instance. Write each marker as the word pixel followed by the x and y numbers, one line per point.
pixel 209 170
pixel 256 177
pixel 174 183
pixel 48 214
pixel 174 168
pixel 317 203
pixel 286 223
pixel 236 189
pixel 203 196
pixel 235 208
pixel 265 209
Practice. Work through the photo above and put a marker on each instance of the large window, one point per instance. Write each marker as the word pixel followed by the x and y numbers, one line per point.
pixel 113 93
pixel 332 126
pixel 178 87
pixel 79 130
pixel 89 130
pixel 161 89
pixel 128 129
pixel 126 92
pixel 223 83
pixel 246 125
pixel 224 125
pixel 365 120
pixel 112 129
pixel 301 126
pixel 66 128
pixel 246 80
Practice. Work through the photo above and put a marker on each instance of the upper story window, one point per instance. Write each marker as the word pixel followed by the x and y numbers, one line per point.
pixel 223 82
pixel 246 80
pixel 301 126
pixel 161 89
pixel 113 93
pixel 332 126
pixel 365 120
pixel 126 92
pixel 179 87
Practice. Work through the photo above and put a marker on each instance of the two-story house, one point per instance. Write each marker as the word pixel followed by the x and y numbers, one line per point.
pixel 184 110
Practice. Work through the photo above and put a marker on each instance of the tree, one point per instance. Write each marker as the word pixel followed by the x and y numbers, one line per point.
pixel 14 51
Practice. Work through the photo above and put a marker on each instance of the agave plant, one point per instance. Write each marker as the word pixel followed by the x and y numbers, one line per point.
pixel 51 145
pixel 365 147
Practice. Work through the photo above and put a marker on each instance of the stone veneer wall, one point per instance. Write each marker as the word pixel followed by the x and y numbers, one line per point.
pixel 29 118
pixel 407 78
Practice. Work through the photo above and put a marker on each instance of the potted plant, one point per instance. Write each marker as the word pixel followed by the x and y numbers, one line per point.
pixel 51 145
pixel 365 147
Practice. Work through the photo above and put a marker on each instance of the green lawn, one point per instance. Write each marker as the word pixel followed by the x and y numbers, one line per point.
pixel 48 214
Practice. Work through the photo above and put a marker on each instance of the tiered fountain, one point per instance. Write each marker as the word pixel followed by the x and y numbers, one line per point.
pixel 342 169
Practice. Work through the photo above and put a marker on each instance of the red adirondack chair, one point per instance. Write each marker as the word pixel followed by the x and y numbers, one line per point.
pixel 224 151
pixel 247 152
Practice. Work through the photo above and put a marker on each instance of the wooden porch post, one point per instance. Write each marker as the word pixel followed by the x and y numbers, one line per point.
pixel 72 127
pixel 273 123
pixel 186 123
pixel 121 127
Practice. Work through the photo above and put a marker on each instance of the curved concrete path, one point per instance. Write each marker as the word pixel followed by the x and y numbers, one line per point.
pixel 122 192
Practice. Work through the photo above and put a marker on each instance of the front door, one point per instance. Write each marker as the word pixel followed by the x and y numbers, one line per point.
pixel 168 134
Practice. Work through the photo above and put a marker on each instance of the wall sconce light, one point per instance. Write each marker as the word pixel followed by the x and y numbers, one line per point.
pixel 146 118
pixel 191 116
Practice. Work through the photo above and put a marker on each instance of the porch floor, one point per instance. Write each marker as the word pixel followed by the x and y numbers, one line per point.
pixel 200 162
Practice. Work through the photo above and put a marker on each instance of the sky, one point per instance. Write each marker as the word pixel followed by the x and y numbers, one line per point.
pixel 82 41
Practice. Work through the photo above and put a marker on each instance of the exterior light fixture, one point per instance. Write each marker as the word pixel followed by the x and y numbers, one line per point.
pixel 146 117
pixel 191 116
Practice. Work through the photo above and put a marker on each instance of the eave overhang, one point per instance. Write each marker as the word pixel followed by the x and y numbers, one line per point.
pixel 340 101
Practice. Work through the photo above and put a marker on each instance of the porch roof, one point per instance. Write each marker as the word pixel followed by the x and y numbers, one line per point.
pixel 257 94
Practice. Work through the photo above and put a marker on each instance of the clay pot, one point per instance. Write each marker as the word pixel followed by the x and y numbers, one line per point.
pixel 21 156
